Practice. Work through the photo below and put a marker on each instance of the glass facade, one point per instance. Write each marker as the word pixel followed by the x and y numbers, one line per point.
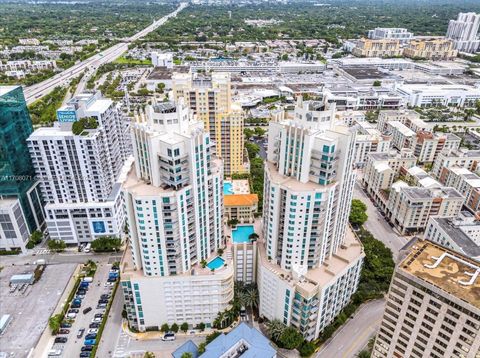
pixel 16 170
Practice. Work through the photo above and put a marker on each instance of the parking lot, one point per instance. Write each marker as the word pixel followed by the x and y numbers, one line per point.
pixel 82 321
pixel 30 310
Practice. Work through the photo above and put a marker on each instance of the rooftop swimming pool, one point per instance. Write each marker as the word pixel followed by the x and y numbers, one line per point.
pixel 241 234
pixel 216 263
pixel 227 188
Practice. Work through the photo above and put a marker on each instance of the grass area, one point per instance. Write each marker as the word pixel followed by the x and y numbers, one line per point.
pixel 131 61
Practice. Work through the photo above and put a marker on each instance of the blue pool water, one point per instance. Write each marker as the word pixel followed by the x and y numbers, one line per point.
pixel 241 233
pixel 227 188
pixel 216 263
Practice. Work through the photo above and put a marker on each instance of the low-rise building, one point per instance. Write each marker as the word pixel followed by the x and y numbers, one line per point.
pixel 427 145
pixel 391 33
pixel 377 48
pixel 408 117
pixel 460 234
pixel 427 95
pixel 14 234
pixel 466 182
pixel 409 208
pixel 401 135
pixel 433 307
pixel 431 49
pixel 463 158
pixel 369 140
pixel 241 207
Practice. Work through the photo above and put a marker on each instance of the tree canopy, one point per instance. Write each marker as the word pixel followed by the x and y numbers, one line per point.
pixel 358 215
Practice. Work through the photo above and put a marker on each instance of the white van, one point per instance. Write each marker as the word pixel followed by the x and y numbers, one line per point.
pixel 169 336
pixel 54 352
pixel 88 279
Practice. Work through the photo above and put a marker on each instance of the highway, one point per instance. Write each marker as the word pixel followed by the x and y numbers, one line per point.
pixel 34 92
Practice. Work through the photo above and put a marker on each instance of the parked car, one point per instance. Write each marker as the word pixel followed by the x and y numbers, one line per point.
pixel 61 340
pixel 81 292
pixel 54 352
pixel 87 348
pixel 91 336
pixel 65 325
pixel 109 283
pixel 94 325
pixel 80 332
pixel 169 336
pixel 84 354
pixel 101 305
pixel 92 331
pixel 90 342
pixel 80 297
pixel 73 310
pixel 112 280
pixel 99 315
pixel 75 305
pixel 71 315
pixel 87 279
pixel 96 320
pixel 102 301
pixel 105 296
pixel 63 331
pixel 86 310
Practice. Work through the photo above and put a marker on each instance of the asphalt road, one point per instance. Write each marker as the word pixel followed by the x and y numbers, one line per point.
pixel 34 92
pixel 355 334
pixel 377 225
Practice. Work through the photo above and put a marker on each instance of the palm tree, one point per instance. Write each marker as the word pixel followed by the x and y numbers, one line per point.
pixel 275 329
pixel 251 297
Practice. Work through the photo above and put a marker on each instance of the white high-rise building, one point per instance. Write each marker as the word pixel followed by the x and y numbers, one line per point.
pixel 310 261
pixel 79 162
pixel 464 30
pixel 174 204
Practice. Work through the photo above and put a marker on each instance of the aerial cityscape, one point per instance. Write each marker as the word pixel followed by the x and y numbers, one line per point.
pixel 240 179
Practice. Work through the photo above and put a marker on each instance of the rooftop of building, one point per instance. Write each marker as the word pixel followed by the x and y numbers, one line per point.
pixel 431 193
pixel 455 229
pixel 451 272
pixel 240 199
pixel 255 344
pixel 402 128
pixel 366 73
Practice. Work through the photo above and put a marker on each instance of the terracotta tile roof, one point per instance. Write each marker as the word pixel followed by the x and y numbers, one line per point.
pixel 240 199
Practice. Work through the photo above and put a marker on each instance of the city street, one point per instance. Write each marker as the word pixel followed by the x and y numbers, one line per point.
pixel 377 224
pixel 355 334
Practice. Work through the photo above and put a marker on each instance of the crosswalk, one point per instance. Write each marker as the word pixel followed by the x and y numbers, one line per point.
pixel 43 252
pixel 122 345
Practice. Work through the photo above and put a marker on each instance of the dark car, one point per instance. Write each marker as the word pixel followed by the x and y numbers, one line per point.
pixel 80 332
pixel 75 305
pixel 112 279
pixel 85 354
pixel 87 348
pixel 63 331
pixel 65 325
pixel 86 310
pixel 81 292
pixel 102 301
pixel 105 296
pixel 91 336
pixel 94 325
pixel 99 315
pixel 73 310
pixel 61 340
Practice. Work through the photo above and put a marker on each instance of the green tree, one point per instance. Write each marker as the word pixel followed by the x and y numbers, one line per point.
pixel 187 355
pixel 306 349
pixel 201 326
pixel 249 133
pixel 232 222
pixel 106 244
pixel 358 214
pixel 184 327
pixel 285 57
pixel 252 149
pixel 174 328
pixel 56 245
pixel 201 347
pixel 54 323
pixel 212 336
pixel 165 327
pixel 260 132
pixel 160 87
pixel 275 329
pixel 377 83
pixel 364 354
pixel 149 355
pixel 290 338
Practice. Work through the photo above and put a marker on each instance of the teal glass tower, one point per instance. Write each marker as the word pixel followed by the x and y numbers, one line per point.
pixel 16 170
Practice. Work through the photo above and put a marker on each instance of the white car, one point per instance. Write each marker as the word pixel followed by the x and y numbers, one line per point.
pixel 97 320
pixel 92 330
pixel 71 315
pixel 109 284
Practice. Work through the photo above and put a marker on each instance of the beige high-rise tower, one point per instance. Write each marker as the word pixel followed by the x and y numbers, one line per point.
pixel 433 306
pixel 209 96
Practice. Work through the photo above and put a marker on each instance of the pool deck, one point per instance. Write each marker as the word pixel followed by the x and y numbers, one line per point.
pixel 239 186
